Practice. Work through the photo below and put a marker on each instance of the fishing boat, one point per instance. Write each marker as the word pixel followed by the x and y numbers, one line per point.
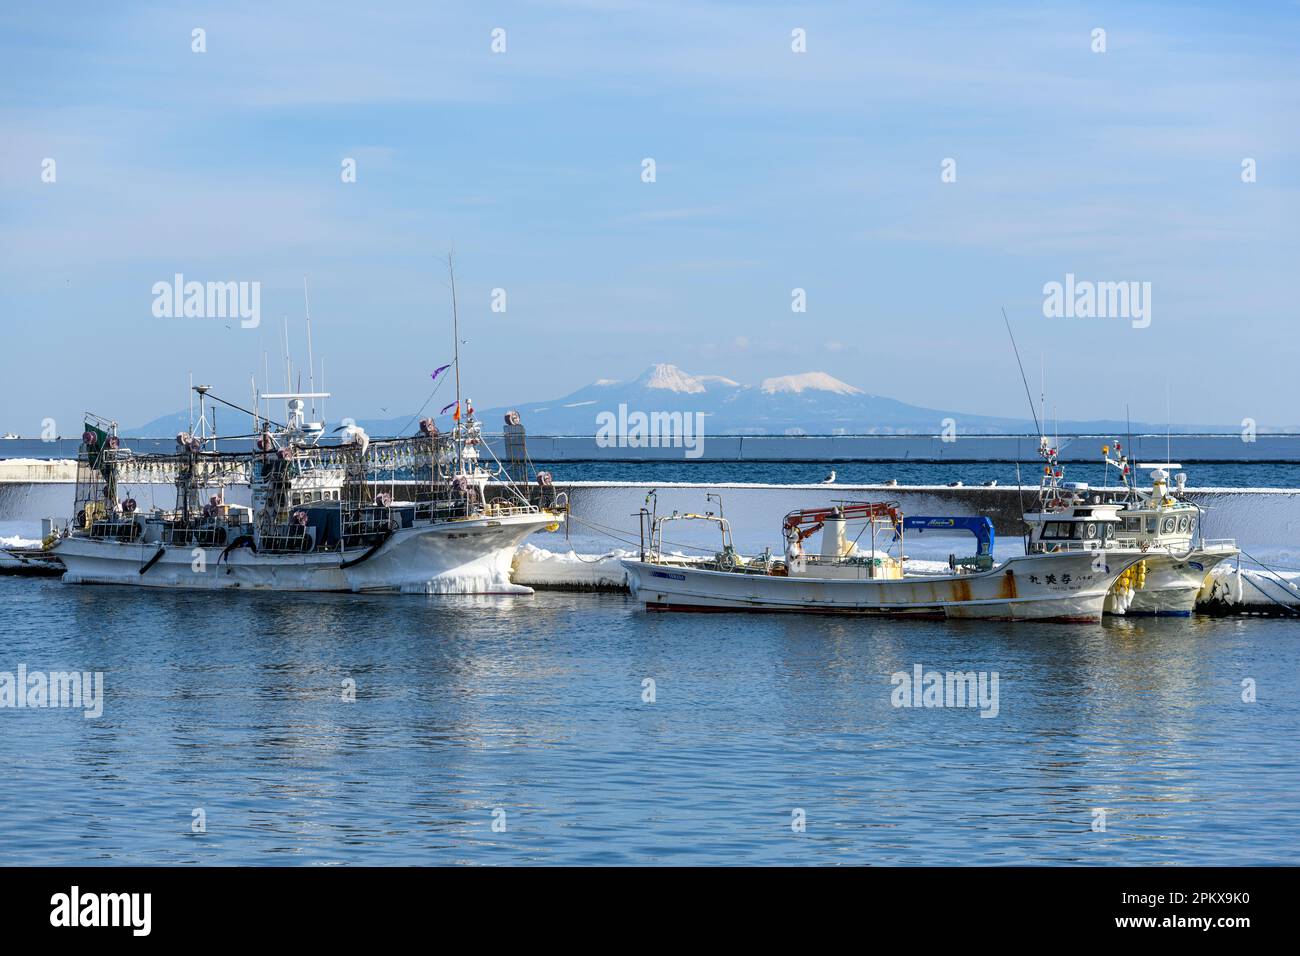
pixel 860 568
pixel 424 513
pixel 1155 531
pixel 321 519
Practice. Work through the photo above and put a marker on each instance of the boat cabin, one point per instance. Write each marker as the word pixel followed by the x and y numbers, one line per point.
pixel 1072 518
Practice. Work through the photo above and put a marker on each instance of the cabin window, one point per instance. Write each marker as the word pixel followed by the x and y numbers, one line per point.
pixel 1151 525
pixel 1183 524
pixel 1192 526
pixel 1167 526
pixel 1132 524
pixel 1092 530
pixel 1058 530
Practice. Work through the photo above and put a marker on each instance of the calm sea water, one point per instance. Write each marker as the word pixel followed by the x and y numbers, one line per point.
pixel 533 706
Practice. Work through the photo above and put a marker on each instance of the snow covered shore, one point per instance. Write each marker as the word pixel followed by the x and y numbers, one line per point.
pixel 1252 591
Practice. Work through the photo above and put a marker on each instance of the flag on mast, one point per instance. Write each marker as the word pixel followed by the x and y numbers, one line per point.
pixel 439 371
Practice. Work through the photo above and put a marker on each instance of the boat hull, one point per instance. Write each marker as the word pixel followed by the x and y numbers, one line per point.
pixel 453 557
pixel 1172 582
pixel 1059 587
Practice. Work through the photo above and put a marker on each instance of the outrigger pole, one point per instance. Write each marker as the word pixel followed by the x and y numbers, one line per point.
pixel 203 390
pixel 1021 365
pixel 1019 487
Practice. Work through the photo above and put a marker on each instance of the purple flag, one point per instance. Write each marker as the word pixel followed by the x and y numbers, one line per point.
pixel 439 371
pixel 444 411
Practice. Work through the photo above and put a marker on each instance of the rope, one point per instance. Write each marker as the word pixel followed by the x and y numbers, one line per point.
pixel 619 535
pixel 1276 567
pixel 1285 583
pixel 423 407
pixel 596 560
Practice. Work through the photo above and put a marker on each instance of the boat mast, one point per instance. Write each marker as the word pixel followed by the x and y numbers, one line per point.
pixel 311 365
pixel 455 331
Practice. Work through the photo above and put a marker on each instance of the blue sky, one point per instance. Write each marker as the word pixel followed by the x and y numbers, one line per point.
pixel 775 170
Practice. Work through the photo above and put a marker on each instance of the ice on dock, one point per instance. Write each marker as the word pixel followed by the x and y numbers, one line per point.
pixel 1250 591
pixel 570 571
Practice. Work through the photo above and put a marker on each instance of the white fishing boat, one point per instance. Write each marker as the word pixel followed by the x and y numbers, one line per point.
pixel 425 513
pixel 1156 532
pixel 320 519
pixel 861 568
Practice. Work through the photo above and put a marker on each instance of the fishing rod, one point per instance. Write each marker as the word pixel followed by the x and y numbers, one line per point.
pixel 1030 398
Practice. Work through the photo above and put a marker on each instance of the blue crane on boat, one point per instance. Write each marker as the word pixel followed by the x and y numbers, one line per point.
pixel 980 526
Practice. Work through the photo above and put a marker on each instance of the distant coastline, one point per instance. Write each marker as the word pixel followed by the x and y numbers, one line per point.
pixel 1080 448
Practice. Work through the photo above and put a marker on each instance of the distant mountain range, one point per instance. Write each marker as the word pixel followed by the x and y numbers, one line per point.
pixel 812 403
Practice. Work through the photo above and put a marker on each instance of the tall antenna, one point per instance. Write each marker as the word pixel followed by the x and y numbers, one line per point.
pixel 1169 419
pixel 455 328
pixel 1042 386
pixel 311 364
pixel 288 376
pixel 1021 365
pixel 1128 423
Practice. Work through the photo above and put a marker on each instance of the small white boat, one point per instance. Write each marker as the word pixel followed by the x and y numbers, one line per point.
pixel 1156 532
pixel 860 569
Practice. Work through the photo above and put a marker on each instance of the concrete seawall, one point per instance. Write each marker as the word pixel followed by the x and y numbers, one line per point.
pixel 922 448
pixel 24 470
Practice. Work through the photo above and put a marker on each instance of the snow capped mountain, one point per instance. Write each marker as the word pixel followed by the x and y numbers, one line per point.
pixel 717 380
pixel 809 381
pixel 813 403
pixel 670 378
